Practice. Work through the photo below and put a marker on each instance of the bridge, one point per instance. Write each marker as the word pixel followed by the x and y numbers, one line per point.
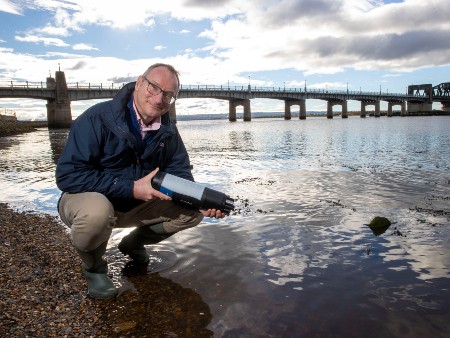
pixel 418 100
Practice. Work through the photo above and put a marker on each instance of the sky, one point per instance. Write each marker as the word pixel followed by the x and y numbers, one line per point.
pixel 367 45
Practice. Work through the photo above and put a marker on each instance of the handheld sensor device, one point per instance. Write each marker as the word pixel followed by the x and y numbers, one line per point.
pixel 191 193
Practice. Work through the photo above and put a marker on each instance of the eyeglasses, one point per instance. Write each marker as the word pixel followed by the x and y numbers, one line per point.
pixel 154 89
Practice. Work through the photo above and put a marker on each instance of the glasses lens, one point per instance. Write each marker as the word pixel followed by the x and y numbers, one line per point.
pixel 169 98
pixel 153 89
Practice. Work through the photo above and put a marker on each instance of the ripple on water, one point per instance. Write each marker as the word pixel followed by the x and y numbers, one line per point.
pixel 297 244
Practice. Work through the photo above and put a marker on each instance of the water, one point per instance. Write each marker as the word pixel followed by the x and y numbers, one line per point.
pixel 296 259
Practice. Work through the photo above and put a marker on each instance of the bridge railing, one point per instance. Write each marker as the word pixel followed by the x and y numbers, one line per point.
pixel 285 89
pixel 247 88
pixel 42 85
pixel 101 86
pixel 23 84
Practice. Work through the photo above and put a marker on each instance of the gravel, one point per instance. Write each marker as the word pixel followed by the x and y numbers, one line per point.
pixel 43 293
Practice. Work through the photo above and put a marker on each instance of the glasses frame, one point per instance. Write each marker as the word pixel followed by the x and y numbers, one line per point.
pixel 165 94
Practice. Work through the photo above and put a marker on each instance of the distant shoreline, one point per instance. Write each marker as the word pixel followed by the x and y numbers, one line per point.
pixel 20 127
pixel 25 126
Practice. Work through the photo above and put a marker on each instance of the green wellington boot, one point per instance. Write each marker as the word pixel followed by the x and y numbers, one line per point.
pixel 95 269
pixel 133 243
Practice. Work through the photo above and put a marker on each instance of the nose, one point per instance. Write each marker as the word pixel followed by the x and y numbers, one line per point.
pixel 159 97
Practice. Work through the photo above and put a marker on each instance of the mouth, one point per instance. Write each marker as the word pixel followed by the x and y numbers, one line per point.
pixel 161 107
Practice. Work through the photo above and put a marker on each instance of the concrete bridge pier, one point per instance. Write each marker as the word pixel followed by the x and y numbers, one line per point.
pixel 330 105
pixel 445 106
pixel 369 103
pixel 302 115
pixel 377 109
pixel 344 109
pixel 173 112
pixel 287 108
pixel 420 108
pixel 58 110
pixel 391 105
pixel 232 110
pixel 363 110
pixel 330 109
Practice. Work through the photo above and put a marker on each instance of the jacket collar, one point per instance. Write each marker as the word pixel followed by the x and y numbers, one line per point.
pixel 118 115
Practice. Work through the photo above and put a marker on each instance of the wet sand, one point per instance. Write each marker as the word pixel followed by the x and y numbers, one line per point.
pixel 43 293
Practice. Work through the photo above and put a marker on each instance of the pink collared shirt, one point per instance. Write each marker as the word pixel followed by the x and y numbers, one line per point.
pixel 154 124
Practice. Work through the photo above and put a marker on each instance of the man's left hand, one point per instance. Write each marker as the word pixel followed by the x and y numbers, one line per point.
pixel 214 213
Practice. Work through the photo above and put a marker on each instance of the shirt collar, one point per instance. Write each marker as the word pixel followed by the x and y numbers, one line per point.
pixel 154 124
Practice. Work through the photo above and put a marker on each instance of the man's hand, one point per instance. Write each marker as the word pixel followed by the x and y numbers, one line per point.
pixel 143 190
pixel 213 213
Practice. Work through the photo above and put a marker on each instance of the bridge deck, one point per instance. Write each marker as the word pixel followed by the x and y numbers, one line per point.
pixel 88 92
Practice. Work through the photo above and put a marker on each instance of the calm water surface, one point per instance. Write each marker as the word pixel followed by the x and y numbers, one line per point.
pixel 296 259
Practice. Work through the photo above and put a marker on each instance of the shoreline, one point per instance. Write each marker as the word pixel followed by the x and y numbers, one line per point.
pixel 20 127
pixel 42 292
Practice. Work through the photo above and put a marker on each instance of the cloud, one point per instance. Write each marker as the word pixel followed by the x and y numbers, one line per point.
pixel 6 50
pixel 321 36
pixel 9 7
pixel 205 9
pixel 324 85
pixel 46 41
pixel 329 36
pixel 78 65
pixel 51 30
pixel 287 12
pixel 240 37
pixel 83 46
pixel 206 3
pixel 80 13
pixel 122 79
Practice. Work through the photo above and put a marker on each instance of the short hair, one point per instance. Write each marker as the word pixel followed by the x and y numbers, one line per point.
pixel 167 66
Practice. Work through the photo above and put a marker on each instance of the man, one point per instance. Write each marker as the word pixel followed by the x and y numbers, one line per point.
pixel 113 151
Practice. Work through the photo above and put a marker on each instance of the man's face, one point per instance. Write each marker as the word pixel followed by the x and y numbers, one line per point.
pixel 150 106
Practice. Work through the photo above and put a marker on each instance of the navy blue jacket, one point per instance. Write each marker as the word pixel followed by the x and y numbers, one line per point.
pixel 105 153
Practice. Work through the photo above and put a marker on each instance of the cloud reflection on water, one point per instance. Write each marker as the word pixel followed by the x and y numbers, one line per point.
pixel 299 245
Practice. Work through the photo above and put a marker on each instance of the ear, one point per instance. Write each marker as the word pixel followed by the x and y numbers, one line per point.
pixel 138 82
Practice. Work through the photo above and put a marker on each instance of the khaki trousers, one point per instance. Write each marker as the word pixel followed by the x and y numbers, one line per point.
pixel 91 217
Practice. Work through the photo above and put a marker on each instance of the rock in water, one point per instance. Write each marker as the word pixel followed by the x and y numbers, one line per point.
pixel 379 222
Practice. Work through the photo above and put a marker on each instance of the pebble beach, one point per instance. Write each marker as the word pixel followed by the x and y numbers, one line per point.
pixel 43 293
pixel 41 289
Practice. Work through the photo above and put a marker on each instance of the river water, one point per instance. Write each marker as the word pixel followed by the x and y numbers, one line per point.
pixel 296 258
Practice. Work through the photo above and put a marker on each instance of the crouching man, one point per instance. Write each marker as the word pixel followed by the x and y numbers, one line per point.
pixel 113 151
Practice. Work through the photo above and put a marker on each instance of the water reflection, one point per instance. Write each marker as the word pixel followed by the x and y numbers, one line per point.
pixel 28 162
pixel 240 141
pixel 58 139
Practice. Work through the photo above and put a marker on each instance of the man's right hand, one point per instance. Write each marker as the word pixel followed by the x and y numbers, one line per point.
pixel 143 190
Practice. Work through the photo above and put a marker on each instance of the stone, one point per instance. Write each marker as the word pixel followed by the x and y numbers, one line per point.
pixel 379 222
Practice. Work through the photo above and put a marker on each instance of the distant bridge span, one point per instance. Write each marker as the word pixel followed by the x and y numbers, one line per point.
pixel 418 100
